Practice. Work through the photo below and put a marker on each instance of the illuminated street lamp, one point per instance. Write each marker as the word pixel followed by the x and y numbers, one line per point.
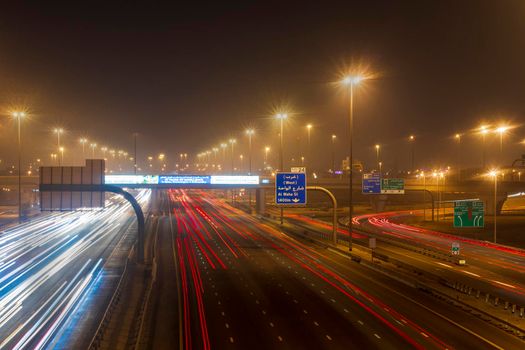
pixel 83 142
pixel 308 148
pixel 494 174
pixel 281 117
pixel 334 137
pixel 250 133
pixel 350 82
pixel 266 150
pixel 457 137
pixel 501 131
pixel 61 150
pixel 93 146
pixel 18 116
pixel 422 175
pixel 412 140
pixel 223 146
pixel 232 143
pixel 378 147
pixel 58 131
pixel 241 157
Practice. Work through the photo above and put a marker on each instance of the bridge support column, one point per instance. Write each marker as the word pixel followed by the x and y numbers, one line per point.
pixel 488 199
pixel 378 202
pixel 260 201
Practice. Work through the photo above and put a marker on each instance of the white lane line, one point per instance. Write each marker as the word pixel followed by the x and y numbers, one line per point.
pixel 231 339
pixel 280 338
pixel 328 337
pixel 360 322
pixel 377 336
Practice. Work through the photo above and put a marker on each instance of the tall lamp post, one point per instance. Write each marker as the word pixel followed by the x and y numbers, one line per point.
pixel 458 139
pixel 58 131
pixel 333 154
pixel 377 147
pixel 232 142
pixel 266 150
pixel 61 149
pixel 281 117
pixel 93 146
pixel 135 152
pixel 501 131
pixel 411 139
pixel 83 142
pixel 494 174
pixel 350 82
pixel 308 152
pixel 19 116
pixel 250 133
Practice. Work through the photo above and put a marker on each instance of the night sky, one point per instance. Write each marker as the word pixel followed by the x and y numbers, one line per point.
pixel 189 76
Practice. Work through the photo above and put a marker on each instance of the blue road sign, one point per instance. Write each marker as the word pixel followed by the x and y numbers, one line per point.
pixel 290 189
pixel 371 183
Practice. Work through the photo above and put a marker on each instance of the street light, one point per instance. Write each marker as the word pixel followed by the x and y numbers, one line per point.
pixel 281 117
pixel 266 150
pixel 350 82
pixel 333 154
pixel 494 174
pixel 232 142
pixel 58 131
pixel 19 116
pixel 458 139
pixel 61 149
pixel 412 140
pixel 223 146
pixel 377 147
pixel 501 130
pixel 83 142
pixel 93 146
pixel 250 133
pixel 308 152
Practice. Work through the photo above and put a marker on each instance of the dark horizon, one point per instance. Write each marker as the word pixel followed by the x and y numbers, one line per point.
pixel 189 77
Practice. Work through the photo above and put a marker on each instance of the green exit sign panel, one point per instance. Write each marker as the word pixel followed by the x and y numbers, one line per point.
pixel 393 186
pixel 469 214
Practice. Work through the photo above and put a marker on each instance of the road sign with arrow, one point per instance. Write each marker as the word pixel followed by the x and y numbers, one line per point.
pixel 469 213
pixel 290 189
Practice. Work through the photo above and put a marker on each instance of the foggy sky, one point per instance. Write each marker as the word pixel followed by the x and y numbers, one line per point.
pixel 187 77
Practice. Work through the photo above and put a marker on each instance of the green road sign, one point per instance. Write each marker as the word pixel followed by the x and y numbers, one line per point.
pixel 393 186
pixel 469 214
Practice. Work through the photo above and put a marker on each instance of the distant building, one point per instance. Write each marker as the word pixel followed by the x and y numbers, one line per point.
pixel 357 166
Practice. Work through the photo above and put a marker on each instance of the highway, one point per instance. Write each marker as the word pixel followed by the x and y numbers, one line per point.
pixel 492 268
pixel 499 268
pixel 232 281
pixel 51 270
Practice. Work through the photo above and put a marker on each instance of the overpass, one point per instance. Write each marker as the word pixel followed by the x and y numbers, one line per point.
pixel 482 188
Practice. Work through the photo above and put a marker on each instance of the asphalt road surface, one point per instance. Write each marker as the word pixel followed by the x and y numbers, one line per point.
pixel 49 269
pixel 229 281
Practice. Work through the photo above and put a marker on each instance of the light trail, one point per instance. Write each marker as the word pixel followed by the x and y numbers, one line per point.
pixel 49 266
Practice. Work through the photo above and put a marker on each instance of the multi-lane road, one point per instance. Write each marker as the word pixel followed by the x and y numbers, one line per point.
pixel 51 269
pixel 228 280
